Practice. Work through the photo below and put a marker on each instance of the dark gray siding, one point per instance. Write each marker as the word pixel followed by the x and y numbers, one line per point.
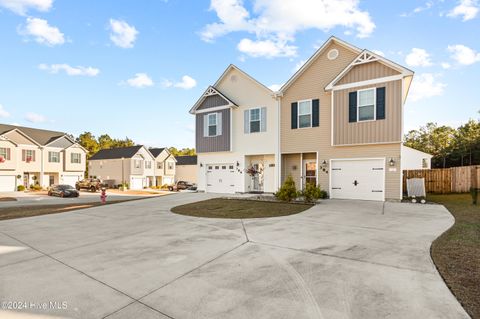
pixel 212 101
pixel 217 143
pixel 62 142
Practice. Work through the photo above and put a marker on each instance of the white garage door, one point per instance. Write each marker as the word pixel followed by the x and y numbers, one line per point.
pixel 358 179
pixel 136 183
pixel 7 183
pixel 220 178
pixel 70 180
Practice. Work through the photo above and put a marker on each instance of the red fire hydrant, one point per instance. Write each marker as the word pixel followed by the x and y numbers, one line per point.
pixel 103 195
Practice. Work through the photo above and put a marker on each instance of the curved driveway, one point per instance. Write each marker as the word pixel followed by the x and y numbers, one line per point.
pixel 340 259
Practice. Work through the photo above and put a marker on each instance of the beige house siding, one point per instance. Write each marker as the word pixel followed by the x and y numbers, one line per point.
pixel 367 71
pixel 387 151
pixel 11 164
pixel 18 138
pixel 186 173
pixel 310 85
pixel 379 131
pixel 294 142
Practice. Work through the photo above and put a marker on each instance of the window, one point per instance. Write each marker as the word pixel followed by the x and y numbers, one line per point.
pixel 5 153
pixel 148 164
pixel 159 165
pixel 305 114
pixel 29 156
pixel 424 162
pixel 137 163
pixel 366 105
pixel 54 157
pixel 212 124
pixel 75 158
pixel 170 165
pixel 254 120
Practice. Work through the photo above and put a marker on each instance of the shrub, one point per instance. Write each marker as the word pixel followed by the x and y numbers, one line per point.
pixel 288 191
pixel 35 187
pixel 311 193
pixel 323 194
pixel 20 188
pixel 474 194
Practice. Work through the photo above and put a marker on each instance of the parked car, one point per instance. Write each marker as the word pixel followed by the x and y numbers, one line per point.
pixel 182 185
pixel 63 191
pixel 92 184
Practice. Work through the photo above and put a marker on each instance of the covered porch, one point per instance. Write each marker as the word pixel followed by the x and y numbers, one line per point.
pixel 303 168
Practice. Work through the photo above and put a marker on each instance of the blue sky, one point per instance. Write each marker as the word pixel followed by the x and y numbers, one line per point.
pixel 134 68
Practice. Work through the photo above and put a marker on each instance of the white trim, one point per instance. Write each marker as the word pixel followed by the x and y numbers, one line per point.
pixel 213 109
pixel 374 104
pixel 24 135
pixel 208 125
pixel 311 113
pixel 208 92
pixel 250 119
pixel 307 64
pixel 332 109
pixel 278 153
pixel 304 161
pixel 366 83
pixel 358 159
pixel 367 56
pixel 301 171
pixel 318 170
pixel 373 143
pixel 63 136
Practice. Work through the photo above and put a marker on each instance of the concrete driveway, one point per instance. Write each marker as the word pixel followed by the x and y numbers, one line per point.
pixel 340 259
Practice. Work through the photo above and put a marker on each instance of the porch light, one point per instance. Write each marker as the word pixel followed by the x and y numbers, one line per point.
pixel 391 162
pixel 324 163
pixel 238 164
pixel 201 164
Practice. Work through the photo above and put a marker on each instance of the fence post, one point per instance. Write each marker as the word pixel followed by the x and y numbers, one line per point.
pixel 474 184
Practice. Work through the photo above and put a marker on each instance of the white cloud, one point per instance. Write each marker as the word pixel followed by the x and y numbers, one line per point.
pixel 70 70
pixel 427 6
pixel 123 34
pixel 468 9
pixel 275 87
pixel 275 23
pixel 140 80
pixel 463 54
pixel 42 32
pixel 22 6
pixel 3 112
pixel 418 57
pixel 298 65
pixel 380 53
pixel 35 118
pixel 445 65
pixel 266 48
pixel 186 83
pixel 424 86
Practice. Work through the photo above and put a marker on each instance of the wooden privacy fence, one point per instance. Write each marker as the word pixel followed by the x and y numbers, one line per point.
pixel 446 180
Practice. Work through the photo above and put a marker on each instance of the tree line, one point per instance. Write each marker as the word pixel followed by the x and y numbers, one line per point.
pixel 94 144
pixel 449 146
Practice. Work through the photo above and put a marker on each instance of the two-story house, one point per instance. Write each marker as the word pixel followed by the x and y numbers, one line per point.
pixel 30 156
pixel 337 123
pixel 136 166
pixel 165 166
pixel 236 135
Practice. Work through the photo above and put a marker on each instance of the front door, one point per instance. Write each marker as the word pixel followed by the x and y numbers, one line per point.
pixel 310 172
pixel 26 180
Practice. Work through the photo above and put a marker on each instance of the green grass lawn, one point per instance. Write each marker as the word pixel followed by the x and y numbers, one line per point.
pixel 239 208
pixel 457 252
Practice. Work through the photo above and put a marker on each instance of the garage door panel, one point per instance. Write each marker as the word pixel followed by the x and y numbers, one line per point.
pixel 220 178
pixel 137 183
pixel 7 183
pixel 358 179
pixel 70 179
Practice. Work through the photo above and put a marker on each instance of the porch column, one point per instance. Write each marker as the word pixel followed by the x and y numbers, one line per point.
pixel 301 170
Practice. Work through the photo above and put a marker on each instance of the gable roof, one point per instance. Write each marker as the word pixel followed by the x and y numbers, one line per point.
pixel 208 92
pixel 187 160
pixel 157 151
pixel 42 137
pixel 367 56
pixel 248 76
pixel 312 59
pixel 115 153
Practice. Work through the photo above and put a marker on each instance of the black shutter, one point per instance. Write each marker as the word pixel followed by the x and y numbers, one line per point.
pixel 352 107
pixel 381 103
pixel 315 113
pixel 294 115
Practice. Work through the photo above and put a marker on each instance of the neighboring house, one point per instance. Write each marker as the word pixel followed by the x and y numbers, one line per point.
pixel 415 159
pixel 165 166
pixel 186 168
pixel 137 166
pixel 132 165
pixel 236 131
pixel 340 126
pixel 34 156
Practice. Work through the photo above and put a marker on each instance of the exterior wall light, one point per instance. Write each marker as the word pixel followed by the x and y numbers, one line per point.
pixel 391 162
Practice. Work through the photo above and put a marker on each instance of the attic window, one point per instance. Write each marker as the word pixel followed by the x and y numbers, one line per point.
pixel 332 54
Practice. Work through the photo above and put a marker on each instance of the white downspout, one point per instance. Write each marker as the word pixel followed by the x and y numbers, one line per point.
pixel 41 166
pixel 278 155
